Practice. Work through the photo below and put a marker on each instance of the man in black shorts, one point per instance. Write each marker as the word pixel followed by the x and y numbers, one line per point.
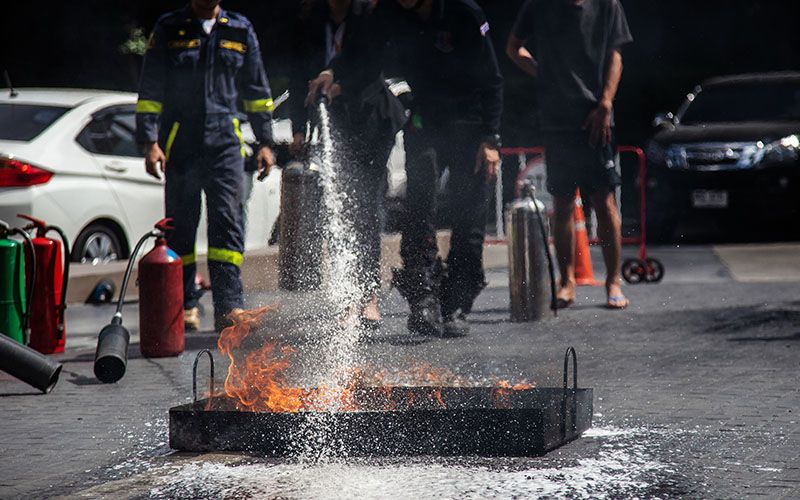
pixel 577 64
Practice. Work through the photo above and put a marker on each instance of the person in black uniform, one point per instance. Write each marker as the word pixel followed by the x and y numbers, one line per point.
pixel 201 61
pixel 443 50
pixel 366 115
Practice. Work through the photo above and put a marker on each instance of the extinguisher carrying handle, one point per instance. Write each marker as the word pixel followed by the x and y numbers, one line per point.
pixel 35 223
pixel 65 281
pixel 164 225
pixel 27 315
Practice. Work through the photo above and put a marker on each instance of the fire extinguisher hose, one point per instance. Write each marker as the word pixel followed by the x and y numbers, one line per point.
pixel 65 281
pixel 152 234
pixel 550 266
pixel 29 304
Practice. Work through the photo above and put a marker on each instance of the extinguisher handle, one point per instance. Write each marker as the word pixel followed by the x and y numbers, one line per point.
pixel 37 223
pixel 27 321
pixel 164 225
pixel 65 277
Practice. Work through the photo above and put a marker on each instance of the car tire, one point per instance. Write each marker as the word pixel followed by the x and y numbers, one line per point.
pixel 97 244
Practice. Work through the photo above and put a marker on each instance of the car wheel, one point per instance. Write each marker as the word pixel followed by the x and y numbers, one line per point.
pixel 97 244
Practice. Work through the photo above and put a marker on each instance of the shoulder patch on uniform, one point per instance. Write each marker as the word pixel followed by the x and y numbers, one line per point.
pixel 184 44
pixel 234 19
pixel 231 45
pixel 484 28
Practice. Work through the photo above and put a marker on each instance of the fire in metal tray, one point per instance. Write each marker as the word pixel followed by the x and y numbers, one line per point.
pixel 260 412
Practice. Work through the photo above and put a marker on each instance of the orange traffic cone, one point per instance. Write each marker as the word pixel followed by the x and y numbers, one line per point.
pixel 584 275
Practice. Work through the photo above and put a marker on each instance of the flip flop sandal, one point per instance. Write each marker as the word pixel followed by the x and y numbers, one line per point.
pixel 564 303
pixel 617 302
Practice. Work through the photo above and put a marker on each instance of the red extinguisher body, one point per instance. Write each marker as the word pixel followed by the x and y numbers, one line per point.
pixel 47 334
pixel 161 302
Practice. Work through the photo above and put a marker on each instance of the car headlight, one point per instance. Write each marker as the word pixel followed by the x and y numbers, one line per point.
pixel 785 150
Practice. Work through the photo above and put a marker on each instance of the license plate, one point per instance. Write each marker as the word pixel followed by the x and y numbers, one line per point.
pixel 709 198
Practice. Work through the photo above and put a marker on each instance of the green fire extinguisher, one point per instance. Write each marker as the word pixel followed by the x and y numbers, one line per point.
pixel 14 302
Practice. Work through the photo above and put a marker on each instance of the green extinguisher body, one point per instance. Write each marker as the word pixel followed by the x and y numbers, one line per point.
pixel 12 289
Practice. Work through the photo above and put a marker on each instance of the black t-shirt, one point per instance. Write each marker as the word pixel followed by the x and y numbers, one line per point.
pixel 571 45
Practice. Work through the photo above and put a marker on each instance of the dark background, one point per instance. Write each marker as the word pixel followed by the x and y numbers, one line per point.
pixel 677 44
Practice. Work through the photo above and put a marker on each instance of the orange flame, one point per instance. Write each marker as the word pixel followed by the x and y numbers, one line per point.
pixel 259 383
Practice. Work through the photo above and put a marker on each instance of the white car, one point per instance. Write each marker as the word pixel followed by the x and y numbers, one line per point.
pixel 69 157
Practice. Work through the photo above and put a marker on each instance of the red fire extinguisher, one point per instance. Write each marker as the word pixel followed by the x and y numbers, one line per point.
pixel 48 333
pixel 161 328
pixel 160 309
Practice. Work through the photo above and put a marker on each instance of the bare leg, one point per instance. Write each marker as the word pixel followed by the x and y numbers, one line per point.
pixel 609 230
pixel 564 236
pixel 370 310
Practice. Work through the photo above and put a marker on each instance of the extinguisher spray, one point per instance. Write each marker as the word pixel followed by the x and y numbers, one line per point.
pixel 15 310
pixel 48 333
pixel 160 309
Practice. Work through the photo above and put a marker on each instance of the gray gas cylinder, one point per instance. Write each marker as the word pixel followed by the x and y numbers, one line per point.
pixel 300 248
pixel 530 271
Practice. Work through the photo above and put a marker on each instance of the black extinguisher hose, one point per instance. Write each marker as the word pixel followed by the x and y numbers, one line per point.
pixel 65 281
pixel 550 266
pixel 152 234
pixel 27 315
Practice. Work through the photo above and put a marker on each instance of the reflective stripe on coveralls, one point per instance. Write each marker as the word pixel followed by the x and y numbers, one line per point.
pixel 238 131
pixel 259 105
pixel 145 106
pixel 189 259
pixel 171 139
pixel 224 255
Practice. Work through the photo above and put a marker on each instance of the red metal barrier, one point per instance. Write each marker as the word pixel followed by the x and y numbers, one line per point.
pixel 641 239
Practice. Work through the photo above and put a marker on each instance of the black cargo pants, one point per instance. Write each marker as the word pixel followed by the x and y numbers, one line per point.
pixel 430 148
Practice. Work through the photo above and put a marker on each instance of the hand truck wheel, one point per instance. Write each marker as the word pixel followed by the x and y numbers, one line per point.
pixel 634 271
pixel 654 270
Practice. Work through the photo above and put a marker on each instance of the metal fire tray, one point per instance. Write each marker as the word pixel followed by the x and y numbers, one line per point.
pixel 444 421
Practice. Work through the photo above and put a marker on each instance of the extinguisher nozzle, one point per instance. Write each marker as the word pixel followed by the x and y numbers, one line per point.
pixel 28 365
pixel 111 358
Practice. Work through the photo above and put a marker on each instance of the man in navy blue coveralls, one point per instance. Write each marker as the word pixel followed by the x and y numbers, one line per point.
pixel 200 61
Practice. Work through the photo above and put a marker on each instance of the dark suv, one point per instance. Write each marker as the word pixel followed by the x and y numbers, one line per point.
pixel 729 156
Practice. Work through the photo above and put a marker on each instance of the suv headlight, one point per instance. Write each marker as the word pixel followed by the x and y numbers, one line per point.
pixel 785 150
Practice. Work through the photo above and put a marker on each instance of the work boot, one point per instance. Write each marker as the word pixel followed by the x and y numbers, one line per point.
pixel 420 287
pixel 191 319
pixel 460 294
pixel 226 321
pixel 455 325
pixel 425 317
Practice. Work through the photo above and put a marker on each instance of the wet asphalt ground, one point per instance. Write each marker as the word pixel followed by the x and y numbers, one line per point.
pixel 695 391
